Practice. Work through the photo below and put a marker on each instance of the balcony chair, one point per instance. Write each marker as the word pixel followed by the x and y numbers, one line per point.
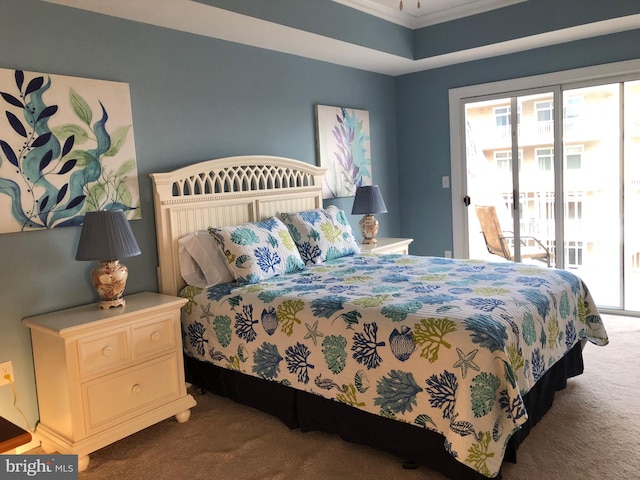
pixel 498 243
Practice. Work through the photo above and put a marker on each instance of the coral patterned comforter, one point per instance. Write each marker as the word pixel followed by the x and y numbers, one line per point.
pixel 448 345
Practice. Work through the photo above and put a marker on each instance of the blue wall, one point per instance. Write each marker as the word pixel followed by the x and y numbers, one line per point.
pixel 193 98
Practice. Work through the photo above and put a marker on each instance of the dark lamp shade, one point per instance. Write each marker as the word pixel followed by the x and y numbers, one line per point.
pixel 368 201
pixel 106 235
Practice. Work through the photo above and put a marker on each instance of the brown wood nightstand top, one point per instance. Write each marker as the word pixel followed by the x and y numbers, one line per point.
pixel 12 436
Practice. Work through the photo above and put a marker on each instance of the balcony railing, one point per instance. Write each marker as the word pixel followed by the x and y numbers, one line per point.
pixel 490 136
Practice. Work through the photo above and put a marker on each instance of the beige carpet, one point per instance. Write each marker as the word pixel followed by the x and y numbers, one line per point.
pixel 592 431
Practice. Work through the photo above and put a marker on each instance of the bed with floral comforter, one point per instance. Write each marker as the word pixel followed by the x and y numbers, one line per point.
pixel 443 344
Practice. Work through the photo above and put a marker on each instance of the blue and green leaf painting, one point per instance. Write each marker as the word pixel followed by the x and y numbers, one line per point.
pixel 66 148
pixel 344 148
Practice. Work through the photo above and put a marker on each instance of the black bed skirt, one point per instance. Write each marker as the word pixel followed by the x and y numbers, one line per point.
pixel 310 412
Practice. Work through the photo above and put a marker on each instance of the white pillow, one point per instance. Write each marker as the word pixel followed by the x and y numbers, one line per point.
pixel 189 270
pixel 201 260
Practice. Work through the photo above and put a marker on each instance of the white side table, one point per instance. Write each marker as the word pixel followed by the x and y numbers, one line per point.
pixel 105 374
pixel 388 245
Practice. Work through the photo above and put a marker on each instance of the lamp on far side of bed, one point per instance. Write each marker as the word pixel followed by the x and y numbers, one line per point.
pixel 368 201
pixel 106 237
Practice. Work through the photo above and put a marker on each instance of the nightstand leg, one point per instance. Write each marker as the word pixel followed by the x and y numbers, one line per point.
pixel 183 416
pixel 83 462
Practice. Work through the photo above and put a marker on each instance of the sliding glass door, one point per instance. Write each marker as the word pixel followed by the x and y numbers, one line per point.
pixel 592 189
pixel 631 150
pixel 585 198
pixel 521 192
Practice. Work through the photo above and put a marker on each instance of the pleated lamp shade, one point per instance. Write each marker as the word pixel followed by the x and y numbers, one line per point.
pixel 368 201
pixel 106 235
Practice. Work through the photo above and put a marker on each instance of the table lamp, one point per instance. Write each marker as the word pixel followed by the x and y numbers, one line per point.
pixel 368 201
pixel 106 237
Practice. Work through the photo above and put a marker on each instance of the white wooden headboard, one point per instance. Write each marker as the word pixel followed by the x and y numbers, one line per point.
pixel 226 191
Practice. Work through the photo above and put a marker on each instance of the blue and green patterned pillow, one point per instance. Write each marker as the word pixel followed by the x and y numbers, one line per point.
pixel 259 250
pixel 321 234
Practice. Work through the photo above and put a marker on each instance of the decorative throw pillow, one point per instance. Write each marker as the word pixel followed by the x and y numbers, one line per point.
pixel 321 234
pixel 257 251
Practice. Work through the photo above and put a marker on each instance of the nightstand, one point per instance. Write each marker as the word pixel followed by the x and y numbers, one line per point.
pixel 388 245
pixel 105 374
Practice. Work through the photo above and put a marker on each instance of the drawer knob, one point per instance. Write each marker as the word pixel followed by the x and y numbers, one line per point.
pixel 107 351
pixel 136 389
pixel 155 336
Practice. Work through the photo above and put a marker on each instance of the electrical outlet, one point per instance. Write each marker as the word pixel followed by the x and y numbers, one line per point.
pixel 6 368
pixel 447 254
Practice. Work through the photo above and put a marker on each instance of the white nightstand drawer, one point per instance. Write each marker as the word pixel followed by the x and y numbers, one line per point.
pixel 103 352
pixel 153 337
pixel 116 397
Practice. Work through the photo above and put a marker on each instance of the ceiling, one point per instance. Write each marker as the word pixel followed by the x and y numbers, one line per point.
pixel 422 13
pixel 201 19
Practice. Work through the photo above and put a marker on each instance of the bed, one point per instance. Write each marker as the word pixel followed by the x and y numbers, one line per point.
pixel 444 362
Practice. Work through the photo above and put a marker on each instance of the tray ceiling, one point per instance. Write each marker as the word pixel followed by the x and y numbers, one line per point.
pixel 201 19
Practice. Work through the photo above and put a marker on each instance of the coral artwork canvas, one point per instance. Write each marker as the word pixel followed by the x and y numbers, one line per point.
pixel 66 148
pixel 343 140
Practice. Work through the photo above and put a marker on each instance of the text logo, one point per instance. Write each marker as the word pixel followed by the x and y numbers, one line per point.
pixel 50 467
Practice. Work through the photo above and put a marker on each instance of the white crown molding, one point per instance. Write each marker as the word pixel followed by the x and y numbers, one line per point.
pixel 384 12
pixel 431 12
pixel 201 19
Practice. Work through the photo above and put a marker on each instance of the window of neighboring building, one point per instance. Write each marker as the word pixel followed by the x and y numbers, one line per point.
pixel 573 106
pixel 503 159
pixel 573 209
pixel 573 156
pixel 544 111
pixel 503 116
pixel 574 254
pixel 544 157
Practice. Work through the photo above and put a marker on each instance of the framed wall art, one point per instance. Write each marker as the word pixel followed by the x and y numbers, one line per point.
pixel 344 148
pixel 66 148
